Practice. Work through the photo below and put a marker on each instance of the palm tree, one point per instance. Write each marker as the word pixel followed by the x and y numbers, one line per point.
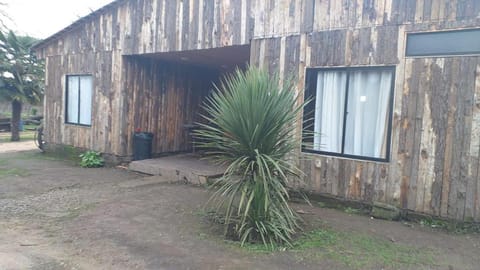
pixel 21 76
pixel 251 129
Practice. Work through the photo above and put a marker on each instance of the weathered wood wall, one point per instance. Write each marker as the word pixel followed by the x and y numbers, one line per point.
pixel 438 146
pixel 289 17
pixel 162 98
pixel 435 142
pixel 104 133
pixel 96 44
pixel 436 118
pixel 149 26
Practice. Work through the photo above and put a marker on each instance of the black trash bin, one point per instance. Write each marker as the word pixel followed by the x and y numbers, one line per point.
pixel 142 145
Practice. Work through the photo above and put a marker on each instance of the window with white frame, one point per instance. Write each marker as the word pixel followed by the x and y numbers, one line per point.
pixel 350 112
pixel 78 105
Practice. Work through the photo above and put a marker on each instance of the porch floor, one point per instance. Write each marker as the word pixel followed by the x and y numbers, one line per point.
pixel 189 168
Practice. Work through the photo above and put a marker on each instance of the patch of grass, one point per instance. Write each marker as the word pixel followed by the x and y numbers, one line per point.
pixel 256 248
pixel 8 168
pixel 316 239
pixel 27 135
pixel 30 127
pixel 64 153
pixel 76 212
pixel 354 250
pixel 451 226
pixel 69 152
pixel 360 251
pixel 25 155
pixel 321 204
pixel 3 162
pixel 13 172
pixel 351 210
pixel 24 136
pixel 434 223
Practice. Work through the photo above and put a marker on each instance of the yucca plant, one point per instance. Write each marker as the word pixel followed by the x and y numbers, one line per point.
pixel 250 123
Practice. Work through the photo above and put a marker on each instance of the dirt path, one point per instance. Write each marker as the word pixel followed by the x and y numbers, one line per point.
pixel 57 216
pixel 10 147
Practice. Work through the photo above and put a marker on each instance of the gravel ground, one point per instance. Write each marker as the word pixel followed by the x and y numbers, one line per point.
pixel 55 215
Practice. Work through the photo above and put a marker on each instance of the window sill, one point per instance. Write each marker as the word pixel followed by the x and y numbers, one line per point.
pixel 315 153
pixel 77 125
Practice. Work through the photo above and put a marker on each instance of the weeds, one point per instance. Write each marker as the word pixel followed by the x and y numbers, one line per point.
pixel 91 159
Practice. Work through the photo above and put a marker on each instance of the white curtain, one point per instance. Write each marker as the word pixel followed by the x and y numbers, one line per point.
pixel 329 108
pixel 85 100
pixel 367 113
pixel 72 99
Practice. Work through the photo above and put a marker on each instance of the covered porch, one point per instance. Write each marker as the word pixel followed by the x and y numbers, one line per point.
pixel 165 92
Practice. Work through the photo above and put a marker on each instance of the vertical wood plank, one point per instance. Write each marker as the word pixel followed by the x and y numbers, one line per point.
pixel 426 174
pixel 449 190
pixel 475 145
pixel 467 159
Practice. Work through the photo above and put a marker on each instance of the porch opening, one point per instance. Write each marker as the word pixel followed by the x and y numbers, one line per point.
pixel 165 92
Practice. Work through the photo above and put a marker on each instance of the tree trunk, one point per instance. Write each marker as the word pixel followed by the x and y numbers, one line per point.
pixel 15 122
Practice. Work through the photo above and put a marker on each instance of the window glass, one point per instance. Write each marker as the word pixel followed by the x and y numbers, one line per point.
pixel 352 111
pixel 85 100
pixel 367 113
pixel 79 100
pixel 458 42
pixel 72 99
pixel 329 110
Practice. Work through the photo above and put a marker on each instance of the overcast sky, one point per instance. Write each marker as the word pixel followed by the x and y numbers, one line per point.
pixel 42 18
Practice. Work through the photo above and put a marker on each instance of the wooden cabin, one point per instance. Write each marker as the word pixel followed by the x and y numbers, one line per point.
pixel 395 87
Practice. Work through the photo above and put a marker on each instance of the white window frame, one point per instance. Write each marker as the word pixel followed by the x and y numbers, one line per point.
pixel 82 107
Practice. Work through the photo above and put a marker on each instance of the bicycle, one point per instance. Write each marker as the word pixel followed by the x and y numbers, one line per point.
pixel 38 138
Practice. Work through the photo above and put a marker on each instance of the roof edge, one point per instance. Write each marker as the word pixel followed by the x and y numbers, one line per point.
pixel 41 44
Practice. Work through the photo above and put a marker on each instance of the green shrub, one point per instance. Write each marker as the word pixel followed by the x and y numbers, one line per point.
pixel 251 129
pixel 91 159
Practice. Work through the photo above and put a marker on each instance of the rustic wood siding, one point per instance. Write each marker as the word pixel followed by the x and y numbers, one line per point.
pixel 438 149
pixel 435 141
pixel 436 117
pixel 96 46
pixel 289 17
pixel 162 98
pixel 149 26
pixel 435 146
pixel 103 135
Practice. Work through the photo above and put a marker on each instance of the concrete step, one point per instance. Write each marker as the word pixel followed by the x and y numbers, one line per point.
pixel 179 168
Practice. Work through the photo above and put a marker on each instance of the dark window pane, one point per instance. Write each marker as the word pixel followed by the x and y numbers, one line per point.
pixel 444 43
